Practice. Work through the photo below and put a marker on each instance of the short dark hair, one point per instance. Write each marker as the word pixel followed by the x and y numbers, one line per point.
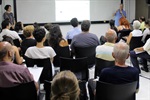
pixel 74 22
pixel 142 18
pixel 5 23
pixel 85 25
pixel 18 26
pixel 7 7
pixel 39 34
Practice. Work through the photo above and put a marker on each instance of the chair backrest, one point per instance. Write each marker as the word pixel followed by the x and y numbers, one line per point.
pixel 106 91
pixel 45 63
pixel 146 38
pixel 88 52
pixel 78 66
pixel 124 32
pixel 16 42
pixel 69 41
pixel 100 64
pixel 82 85
pixel 25 91
pixel 135 42
pixel 61 52
pixel 22 36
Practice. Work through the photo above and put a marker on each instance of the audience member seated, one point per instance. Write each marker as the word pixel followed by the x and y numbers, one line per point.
pixel 105 51
pixel 112 26
pixel 29 39
pixel 40 51
pixel 136 32
pixel 85 39
pixel 65 87
pixel 75 30
pixel 57 42
pixel 146 31
pixel 120 73
pixel 143 53
pixel 10 73
pixel 142 21
pixel 17 58
pixel 19 28
pixel 6 31
pixel 36 25
pixel 124 24
pixel 56 39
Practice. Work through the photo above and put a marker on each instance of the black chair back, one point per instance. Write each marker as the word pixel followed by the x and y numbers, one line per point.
pixel 45 63
pixel 78 66
pixel 61 52
pixel 146 38
pixel 135 42
pixel 88 52
pixel 25 91
pixel 123 33
pixel 69 41
pixel 22 36
pixel 16 42
pixel 100 64
pixel 106 91
pixel 82 85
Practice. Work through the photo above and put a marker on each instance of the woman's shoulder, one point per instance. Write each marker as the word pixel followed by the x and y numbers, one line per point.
pixel 63 43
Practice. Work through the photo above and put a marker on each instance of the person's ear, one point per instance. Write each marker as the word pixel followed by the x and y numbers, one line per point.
pixel 113 55
pixel 128 56
pixel 10 54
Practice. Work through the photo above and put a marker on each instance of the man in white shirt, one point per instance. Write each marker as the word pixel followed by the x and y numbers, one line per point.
pixel 6 31
pixel 143 53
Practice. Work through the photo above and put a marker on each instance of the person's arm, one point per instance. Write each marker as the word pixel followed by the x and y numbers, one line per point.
pixel 129 38
pixel 115 12
pixel 18 58
pixel 123 13
pixel 139 49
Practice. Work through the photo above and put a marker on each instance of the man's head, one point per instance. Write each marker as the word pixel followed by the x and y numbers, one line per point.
pixel 121 6
pixel 136 24
pixel 74 22
pixel 121 52
pixel 6 24
pixel 6 51
pixel 111 36
pixel 85 25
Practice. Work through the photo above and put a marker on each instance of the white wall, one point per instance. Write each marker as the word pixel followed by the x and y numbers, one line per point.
pixel 130 9
pixel 98 29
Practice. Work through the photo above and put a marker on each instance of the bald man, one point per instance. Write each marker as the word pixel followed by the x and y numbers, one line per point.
pixel 11 74
pixel 105 51
pixel 120 73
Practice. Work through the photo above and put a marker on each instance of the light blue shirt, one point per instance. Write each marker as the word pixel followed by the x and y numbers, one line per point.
pixel 73 32
pixel 118 16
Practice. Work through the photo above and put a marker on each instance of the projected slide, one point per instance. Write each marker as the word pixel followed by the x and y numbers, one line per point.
pixel 68 9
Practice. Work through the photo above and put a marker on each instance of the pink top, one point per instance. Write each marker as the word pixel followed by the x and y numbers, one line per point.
pixel 12 74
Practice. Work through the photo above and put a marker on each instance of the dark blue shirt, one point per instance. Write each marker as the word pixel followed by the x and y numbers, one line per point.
pixel 119 75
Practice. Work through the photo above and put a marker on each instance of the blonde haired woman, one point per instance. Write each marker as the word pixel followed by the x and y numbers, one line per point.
pixel 65 86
